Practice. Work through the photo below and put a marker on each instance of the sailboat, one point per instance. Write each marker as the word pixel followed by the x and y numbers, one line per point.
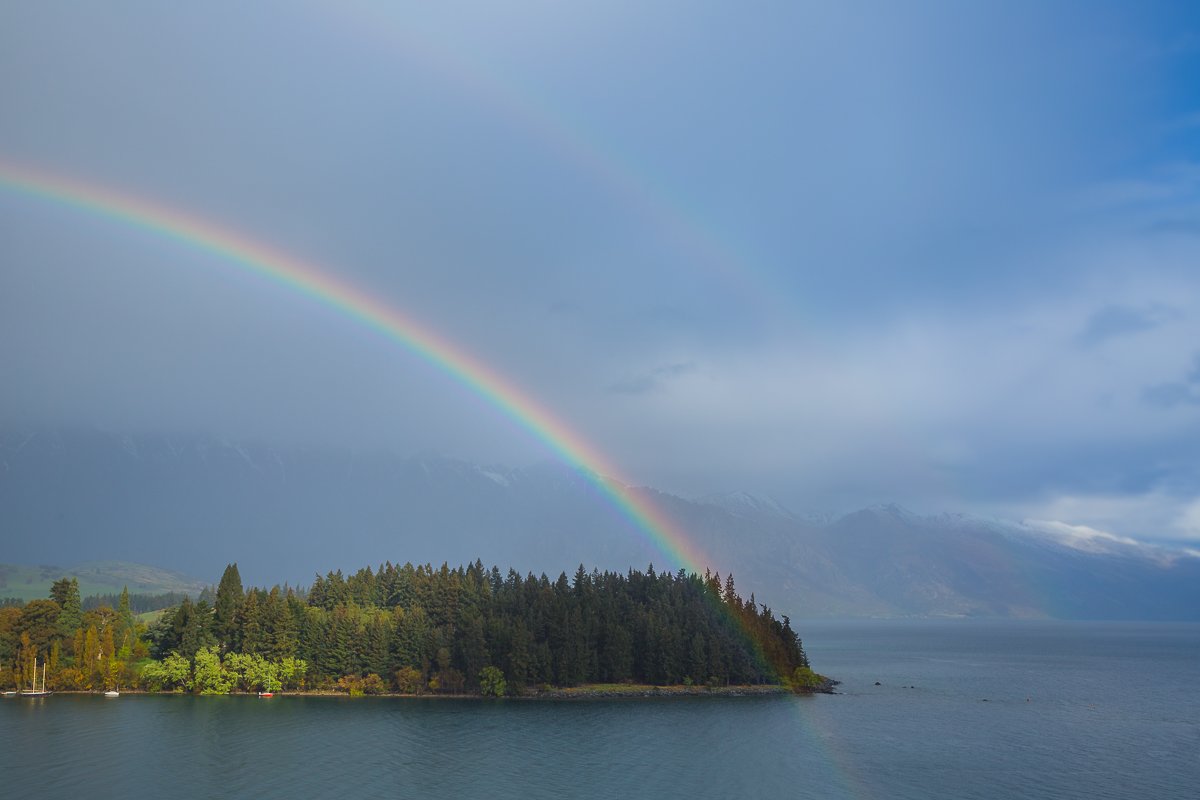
pixel 33 692
pixel 269 688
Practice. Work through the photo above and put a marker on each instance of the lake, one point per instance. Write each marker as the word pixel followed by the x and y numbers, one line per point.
pixel 963 710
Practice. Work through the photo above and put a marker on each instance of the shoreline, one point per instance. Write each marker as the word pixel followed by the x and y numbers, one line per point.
pixel 584 692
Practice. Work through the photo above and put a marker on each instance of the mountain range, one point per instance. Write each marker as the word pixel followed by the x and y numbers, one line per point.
pixel 193 503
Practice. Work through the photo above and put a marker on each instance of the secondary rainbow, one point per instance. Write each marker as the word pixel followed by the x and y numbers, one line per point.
pixel 321 285
pixel 632 184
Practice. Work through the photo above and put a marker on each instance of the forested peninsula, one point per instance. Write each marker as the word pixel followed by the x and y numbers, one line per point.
pixel 416 630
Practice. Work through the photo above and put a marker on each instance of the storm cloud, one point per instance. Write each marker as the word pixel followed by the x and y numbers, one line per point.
pixel 920 253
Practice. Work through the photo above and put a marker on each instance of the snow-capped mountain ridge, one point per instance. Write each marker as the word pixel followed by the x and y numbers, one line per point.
pixel 741 503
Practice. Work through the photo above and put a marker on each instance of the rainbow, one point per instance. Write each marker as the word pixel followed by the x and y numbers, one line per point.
pixel 573 144
pixel 322 286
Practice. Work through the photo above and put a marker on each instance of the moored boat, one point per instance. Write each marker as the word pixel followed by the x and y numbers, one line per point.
pixel 269 687
pixel 34 691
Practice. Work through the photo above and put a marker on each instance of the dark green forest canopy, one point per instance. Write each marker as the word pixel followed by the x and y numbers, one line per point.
pixel 416 629
pixel 447 625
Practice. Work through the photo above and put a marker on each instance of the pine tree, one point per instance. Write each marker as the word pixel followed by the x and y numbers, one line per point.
pixel 124 613
pixel 251 636
pixel 731 598
pixel 197 631
pixel 376 646
pixel 225 610
pixel 279 627
pixel 697 659
pixel 66 593
pixel 179 623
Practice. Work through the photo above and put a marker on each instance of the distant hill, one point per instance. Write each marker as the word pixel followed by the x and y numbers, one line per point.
pixel 95 577
pixel 194 503
pixel 886 561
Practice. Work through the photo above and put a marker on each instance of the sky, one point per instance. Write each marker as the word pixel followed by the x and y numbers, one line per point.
pixel 936 253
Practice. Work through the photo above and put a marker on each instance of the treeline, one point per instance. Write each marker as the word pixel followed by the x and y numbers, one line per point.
pixel 82 650
pixel 138 603
pixel 417 629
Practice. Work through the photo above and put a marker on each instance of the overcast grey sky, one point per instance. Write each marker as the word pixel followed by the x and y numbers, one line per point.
pixel 938 253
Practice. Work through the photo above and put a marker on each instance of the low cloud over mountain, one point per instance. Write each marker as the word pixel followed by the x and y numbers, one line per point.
pixel 194 503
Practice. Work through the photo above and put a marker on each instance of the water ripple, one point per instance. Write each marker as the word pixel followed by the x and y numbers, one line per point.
pixel 1065 718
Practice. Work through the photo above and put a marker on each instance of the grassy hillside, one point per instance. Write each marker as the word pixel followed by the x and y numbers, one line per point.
pixel 95 577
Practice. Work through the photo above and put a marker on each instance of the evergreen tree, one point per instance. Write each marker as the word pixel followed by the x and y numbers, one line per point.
pixel 279 626
pixel 226 606
pixel 40 619
pixel 251 635
pixel 425 628
pixel 65 592
pixel 197 630
pixel 377 642
pixel 336 655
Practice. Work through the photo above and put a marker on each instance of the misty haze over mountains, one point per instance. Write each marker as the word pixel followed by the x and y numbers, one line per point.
pixel 193 503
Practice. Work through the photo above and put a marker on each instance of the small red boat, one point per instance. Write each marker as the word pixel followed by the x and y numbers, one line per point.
pixel 266 694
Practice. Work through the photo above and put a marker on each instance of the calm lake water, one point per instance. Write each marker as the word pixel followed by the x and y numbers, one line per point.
pixel 997 710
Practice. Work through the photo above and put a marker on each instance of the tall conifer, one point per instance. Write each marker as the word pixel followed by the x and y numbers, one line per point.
pixel 225 611
pixel 66 593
